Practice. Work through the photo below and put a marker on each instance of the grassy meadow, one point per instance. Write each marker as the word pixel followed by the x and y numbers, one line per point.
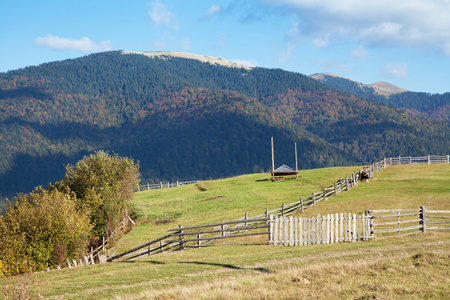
pixel 413 267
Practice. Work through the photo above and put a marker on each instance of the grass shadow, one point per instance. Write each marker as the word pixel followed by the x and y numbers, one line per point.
pixel 229 266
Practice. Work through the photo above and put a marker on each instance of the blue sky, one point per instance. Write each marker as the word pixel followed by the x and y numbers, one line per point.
pixel 404 42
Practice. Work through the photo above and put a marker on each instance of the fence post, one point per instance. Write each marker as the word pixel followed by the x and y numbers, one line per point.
pixel 398 221
pixel 148 186
pixel 245 218
pixel 282 210
pixel 198 240
pixel 275 230
pixel 161 184
pixel 423 219
pixel 335 191
pixel 428 159
pixel 399 160
pixel 384 163
pixel 139 188
pixel 222 227
pixel 314 199
pixel 301 203
pixel 342 186
pixel 150 249
pixel 270 229
pixel 410 159
pixel 323 193
pixel 181 236
pixel 346 183
pixel 291 231
pixel 448 159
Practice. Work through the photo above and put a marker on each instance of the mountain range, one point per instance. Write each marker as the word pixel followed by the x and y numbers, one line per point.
pixel 186 116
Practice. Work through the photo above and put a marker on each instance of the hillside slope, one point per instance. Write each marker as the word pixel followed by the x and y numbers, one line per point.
pixel 186 119
pixel 371 269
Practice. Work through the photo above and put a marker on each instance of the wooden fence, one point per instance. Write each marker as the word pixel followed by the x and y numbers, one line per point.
pixel 408 221
pixel 98 255
pixel 353 228
pixel 198 236
pixel 148 186
pixel 332 228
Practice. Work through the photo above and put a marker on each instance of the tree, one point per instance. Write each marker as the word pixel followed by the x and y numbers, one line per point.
pixel 40 230
pixel 104 185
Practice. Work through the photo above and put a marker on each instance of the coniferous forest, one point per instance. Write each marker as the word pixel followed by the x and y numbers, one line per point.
pixel 183 119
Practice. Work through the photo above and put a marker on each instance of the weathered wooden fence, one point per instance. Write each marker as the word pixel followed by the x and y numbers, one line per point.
pixel 198 236
pixel 323 229
pixel 98 255
pixel 408 221
pixel 148 186
pixel 332 228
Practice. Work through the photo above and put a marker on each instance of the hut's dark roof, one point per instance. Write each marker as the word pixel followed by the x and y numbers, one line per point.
pixel 284 170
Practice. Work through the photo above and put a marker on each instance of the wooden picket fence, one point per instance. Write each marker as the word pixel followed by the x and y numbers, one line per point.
pixel 282 230
pixel 332 228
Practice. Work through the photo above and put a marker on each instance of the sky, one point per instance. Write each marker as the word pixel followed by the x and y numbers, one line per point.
pixel 403 42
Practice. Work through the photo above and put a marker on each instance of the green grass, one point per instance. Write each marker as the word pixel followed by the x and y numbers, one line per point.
pixel 385 268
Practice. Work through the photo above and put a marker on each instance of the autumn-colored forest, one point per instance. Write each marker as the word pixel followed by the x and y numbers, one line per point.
pixel 183 119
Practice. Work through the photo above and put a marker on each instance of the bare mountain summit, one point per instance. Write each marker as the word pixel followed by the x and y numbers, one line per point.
pixel 203 58
pixel 385 88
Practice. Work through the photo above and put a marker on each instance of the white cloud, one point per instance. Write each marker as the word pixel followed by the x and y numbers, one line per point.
pixel 213 10
pixel 83 45
pixel 411 23
pixel 322 41
pixel 246 63
pixel 161 16
pixel 359 53
pixel 285 55
pixel 396 70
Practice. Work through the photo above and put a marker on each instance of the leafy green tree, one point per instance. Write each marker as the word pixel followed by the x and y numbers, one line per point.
pixel 104 185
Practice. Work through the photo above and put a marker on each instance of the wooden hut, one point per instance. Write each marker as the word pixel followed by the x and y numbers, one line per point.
pixel 279 173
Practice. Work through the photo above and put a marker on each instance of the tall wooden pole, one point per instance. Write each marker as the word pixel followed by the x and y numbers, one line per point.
pixel 296 162
pixel 273 160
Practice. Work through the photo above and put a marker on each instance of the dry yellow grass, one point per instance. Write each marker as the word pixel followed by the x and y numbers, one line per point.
pixel 414 270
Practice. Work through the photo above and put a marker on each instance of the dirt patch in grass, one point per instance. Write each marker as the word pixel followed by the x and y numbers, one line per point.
pixel 213 198
pixel 165 220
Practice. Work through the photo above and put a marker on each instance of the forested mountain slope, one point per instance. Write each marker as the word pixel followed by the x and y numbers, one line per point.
pixel 433 106
pixel 185 119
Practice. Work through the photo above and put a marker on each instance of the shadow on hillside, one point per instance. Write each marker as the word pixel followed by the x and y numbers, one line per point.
pixel 145 261
pixel 262 270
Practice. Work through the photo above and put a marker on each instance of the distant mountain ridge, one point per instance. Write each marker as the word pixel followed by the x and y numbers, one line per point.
pixel 434 106
pixel 183 118
pixel 382 88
